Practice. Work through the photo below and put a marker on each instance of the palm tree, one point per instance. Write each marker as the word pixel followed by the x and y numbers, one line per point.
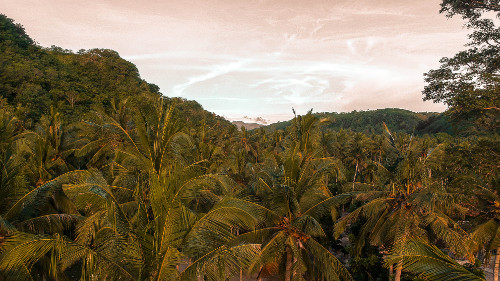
pixel 158 210
pixel 357 152
pixel 487 234
pixel 409 204
pixel 14 149
pixel 294 192
pixel 156 153
pixel 293 187
pixel 49 148
pixel 123 237
pixel 41 212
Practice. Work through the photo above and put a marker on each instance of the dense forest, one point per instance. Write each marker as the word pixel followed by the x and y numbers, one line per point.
pixel 397 120
pixel 104 178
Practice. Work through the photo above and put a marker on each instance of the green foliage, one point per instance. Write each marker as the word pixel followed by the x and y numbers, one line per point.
pixel 100 177
pixel 419 257
pixel 398 120
pixel 34 79
pixel 369 266
pixel 13 35
pixel 469 82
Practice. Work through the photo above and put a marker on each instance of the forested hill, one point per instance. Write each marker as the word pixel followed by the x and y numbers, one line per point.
pixel 103 178
pixel 33 79
pixel 397 120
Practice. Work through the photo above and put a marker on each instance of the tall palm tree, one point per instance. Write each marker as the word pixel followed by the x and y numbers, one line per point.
pixel 293 187
pixel 409 204
pixel 155 151
pixel 296 197
pixel 14 150
pixel 487 234
pixel 152 211
pixel 50 148
pixel 358 153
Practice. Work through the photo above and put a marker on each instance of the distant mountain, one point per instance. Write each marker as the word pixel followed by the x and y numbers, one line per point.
pixel 248 126
pixel 397 120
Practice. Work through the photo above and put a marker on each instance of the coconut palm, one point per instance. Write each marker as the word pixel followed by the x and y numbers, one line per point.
pixel 358 154
pixel 50 147
pixel 487 234
pixel 293 187
pixel 14 150
pixel 409 204
pixel 124 238
pixel 153 160
pixel 157 211
pixel 295 193
pixel 34 217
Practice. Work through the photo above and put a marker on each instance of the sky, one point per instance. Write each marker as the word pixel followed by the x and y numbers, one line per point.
pixel 261 58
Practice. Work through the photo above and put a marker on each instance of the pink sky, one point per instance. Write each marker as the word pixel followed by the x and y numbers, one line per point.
pixel 261 57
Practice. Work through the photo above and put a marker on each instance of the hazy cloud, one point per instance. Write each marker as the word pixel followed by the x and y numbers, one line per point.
pixel 261 58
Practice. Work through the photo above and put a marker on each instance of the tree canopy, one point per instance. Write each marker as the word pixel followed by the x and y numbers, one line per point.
pixel 469 82
pixel 103 178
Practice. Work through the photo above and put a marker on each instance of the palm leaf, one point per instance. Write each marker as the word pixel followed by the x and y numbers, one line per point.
pixel 329 266
pixel 419 257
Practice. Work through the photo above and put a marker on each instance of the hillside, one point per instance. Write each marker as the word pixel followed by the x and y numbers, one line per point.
pixel 34 79
pixel 248 126
pixel 104 178
pixel 398 120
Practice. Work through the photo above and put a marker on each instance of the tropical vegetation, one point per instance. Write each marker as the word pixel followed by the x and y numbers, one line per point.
pixel 103 178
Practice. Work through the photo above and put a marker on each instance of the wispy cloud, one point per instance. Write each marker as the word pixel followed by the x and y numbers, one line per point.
pixel 240 57
pixel 217 70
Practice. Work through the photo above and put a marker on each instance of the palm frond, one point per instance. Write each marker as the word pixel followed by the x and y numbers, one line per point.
pixel 170 259
pixel 222 263
pixel 51 223
pixel 419 257
pixel 329 266
pixel 272 252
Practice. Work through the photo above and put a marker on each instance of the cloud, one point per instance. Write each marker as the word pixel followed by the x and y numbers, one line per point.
pixel 260 58
pixel 217 70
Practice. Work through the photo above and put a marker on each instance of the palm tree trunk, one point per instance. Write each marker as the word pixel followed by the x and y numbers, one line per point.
pixel 355 173
pixel 288 266
pixel 241 270
pixel 399 268
pixel 497 262
pixel 391 272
